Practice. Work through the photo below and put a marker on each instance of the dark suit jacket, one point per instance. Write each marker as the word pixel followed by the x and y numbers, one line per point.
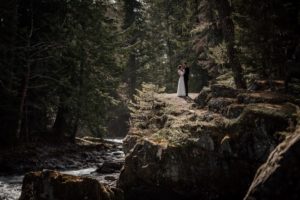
pixel 187 73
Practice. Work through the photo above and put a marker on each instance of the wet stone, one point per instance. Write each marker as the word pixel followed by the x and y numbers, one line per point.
pixel 110 178
pixel 110 167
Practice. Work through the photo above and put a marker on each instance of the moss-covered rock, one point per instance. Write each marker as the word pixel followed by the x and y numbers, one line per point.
pixel 234 110
pixel 254 132
pixel 220 104
pixel 200 154
pixel 190 171
pixel 51 185
pixel 202 99
pixel 264 97
pixel 219 90
pixel 263 85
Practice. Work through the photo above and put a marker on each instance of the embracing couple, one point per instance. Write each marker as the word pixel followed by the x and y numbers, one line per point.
pixel 183 82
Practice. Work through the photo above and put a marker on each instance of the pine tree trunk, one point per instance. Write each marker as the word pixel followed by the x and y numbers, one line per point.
pixel 22 103
pixel 132 81
pixel 26 80
pixel 225 11
pixel 59 127
pixel 130 7
pixel 80 102
pixel 14 30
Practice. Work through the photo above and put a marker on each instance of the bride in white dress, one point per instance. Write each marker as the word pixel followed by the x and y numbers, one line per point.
pixel 181 86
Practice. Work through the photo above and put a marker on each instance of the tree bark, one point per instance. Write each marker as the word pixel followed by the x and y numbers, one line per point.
pixel 132 76
pixel 22 103
pixel 225 11
pixel 131 16
pixel 59 127
pixel 80 101
pixel 26 79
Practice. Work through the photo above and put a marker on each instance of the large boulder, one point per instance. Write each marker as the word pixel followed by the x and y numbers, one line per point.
pixel 195 156
pixel 51 185
pixel 279 177
pixel 253 133
pixel 192 171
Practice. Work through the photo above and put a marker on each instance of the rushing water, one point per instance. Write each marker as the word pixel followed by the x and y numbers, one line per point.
pixel 115 140
pixel 10 186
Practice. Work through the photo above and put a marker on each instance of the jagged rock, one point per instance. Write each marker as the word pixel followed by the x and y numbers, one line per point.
pixel 220 104
pixel 158 121
pixel 52 185
pixel 264 97
pixel 202 99
pixel 201 155
pixel 218 90
pixel 279 177
pixel 234 110
pixel 257 85
pixel 130 142
pixel 256 128
pixel 110 167
pixel 205 142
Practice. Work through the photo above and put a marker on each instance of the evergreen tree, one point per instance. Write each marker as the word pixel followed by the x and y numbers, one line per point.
pixel 60 72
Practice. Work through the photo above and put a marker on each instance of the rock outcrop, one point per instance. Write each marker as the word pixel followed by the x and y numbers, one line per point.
pixel 218 90
pixel 174 150
pixel 203 98
pixel 51 185
pixel 264 97
pixel 279 177
pixel 110 167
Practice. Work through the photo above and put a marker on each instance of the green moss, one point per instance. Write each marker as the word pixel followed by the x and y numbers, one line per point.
pixel 283 111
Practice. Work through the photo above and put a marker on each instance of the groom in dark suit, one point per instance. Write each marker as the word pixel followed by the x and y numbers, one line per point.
pixel 186 78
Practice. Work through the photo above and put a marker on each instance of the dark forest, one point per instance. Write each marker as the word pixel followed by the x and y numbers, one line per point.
pixel 77 74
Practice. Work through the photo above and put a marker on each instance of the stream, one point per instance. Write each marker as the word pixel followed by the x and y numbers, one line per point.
pixel 10 186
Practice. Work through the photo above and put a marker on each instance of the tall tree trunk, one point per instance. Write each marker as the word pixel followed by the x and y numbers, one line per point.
pixel 132 76
pixel 169 80
pixel 22 102
pixel 225 11
pixel 60 125
pixel 130 18
pixel 25 85
pixel 80 100
pixel 14 30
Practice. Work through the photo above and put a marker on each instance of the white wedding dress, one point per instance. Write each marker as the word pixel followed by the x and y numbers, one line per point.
pixel 181 86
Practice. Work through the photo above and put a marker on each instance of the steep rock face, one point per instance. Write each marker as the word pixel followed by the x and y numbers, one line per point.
pixel 52 185
pixel 195 153
pixel 279 177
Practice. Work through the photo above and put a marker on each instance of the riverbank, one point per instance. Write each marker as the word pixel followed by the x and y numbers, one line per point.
pixel 89 157
pixel 87 152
